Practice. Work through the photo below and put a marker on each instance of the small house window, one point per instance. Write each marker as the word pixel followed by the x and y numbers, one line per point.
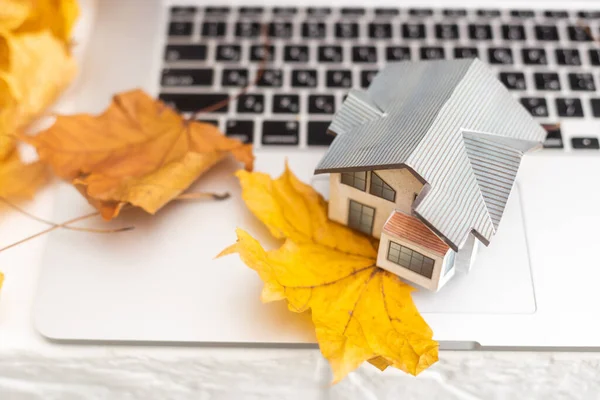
pixel 360 217
pixel 410 259
pixel 357 180
pixel 381 189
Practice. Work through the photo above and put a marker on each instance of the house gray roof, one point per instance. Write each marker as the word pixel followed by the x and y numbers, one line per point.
pixel 454 125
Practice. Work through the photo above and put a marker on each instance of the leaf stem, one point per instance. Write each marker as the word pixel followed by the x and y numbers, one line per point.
pixel 64 224
pixel 199 196
pixel 45 221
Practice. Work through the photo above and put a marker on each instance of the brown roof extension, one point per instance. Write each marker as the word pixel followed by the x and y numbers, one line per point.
pixel 412 229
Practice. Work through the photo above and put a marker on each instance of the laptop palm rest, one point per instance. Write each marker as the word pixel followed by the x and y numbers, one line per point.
pixel 161 283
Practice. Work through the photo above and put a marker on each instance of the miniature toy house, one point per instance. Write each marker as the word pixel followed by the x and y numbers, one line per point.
pixel 425 160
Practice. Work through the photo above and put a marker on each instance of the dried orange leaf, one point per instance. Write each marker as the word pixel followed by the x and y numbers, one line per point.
pixel 361 312
pixel 34 69
pixel 18 180
pixel 139 152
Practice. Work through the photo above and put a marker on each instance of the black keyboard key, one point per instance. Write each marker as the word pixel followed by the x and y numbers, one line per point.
pixel 281 30
pixel 554 138
pixel 180 29
pixel 364 54
pixel 214 29
pixel 366 77
pixel 251 11
pixel 413 31
pixel 304 78
pixel 318 11
pixel 585 143
pixel 229 52
pixel 352 11
pixel 546 81
pixel 546 32
pixel 536 106
pixel 187 77
pixel 187 102
pixel 295 53
pixel 286 104
pixel 480 32
pixel 234 77
pixel 259 52
pixel 317 133
pixel 594 55
pixel 534 56
pixel 466 52
pixel 446 31
pixel 582 82
pixel 500 55
pixel 488 13
pixel 432 53
pixel 339 78
pixel 397 53
pixel 513 80
pixel 251 103
pixel 595 103
pixel 420 12
pixel 242 130
pixel 187 52
pixel 579 34
pixel 331 54
pixel 247 29
pixel 213 122
pixel 380 31
pixel 558 14
pixel 568 57
pixel 280 133
pixel 313 30
pixel 285 11
pixel 387 12
pixel 522 13
pixel 589 14
pixel 513 32
pixel 271 78
pixel 569 107
pixel 321 104
pixel 346 30
pixel 183 12
pixel 213 11
pixel 454 12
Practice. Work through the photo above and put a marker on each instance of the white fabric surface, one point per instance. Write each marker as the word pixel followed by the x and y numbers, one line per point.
pixel 34 368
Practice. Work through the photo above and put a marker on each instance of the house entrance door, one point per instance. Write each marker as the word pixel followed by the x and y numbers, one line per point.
pixel 360 217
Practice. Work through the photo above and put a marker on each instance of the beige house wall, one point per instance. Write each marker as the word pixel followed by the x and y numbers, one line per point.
pixel 401 180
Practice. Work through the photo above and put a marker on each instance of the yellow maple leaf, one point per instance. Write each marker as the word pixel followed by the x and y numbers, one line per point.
pixel 19 180
pixel 360 312
pixel 34 69
pixel 13 13
pixel 58 16
pixel 139 152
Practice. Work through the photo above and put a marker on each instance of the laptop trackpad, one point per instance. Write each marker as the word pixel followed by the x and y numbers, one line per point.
pixel 500 282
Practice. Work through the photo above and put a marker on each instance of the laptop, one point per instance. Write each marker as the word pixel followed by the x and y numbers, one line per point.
pixel 534 287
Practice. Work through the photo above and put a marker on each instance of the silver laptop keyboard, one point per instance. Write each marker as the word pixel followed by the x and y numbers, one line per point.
pixel 548 59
